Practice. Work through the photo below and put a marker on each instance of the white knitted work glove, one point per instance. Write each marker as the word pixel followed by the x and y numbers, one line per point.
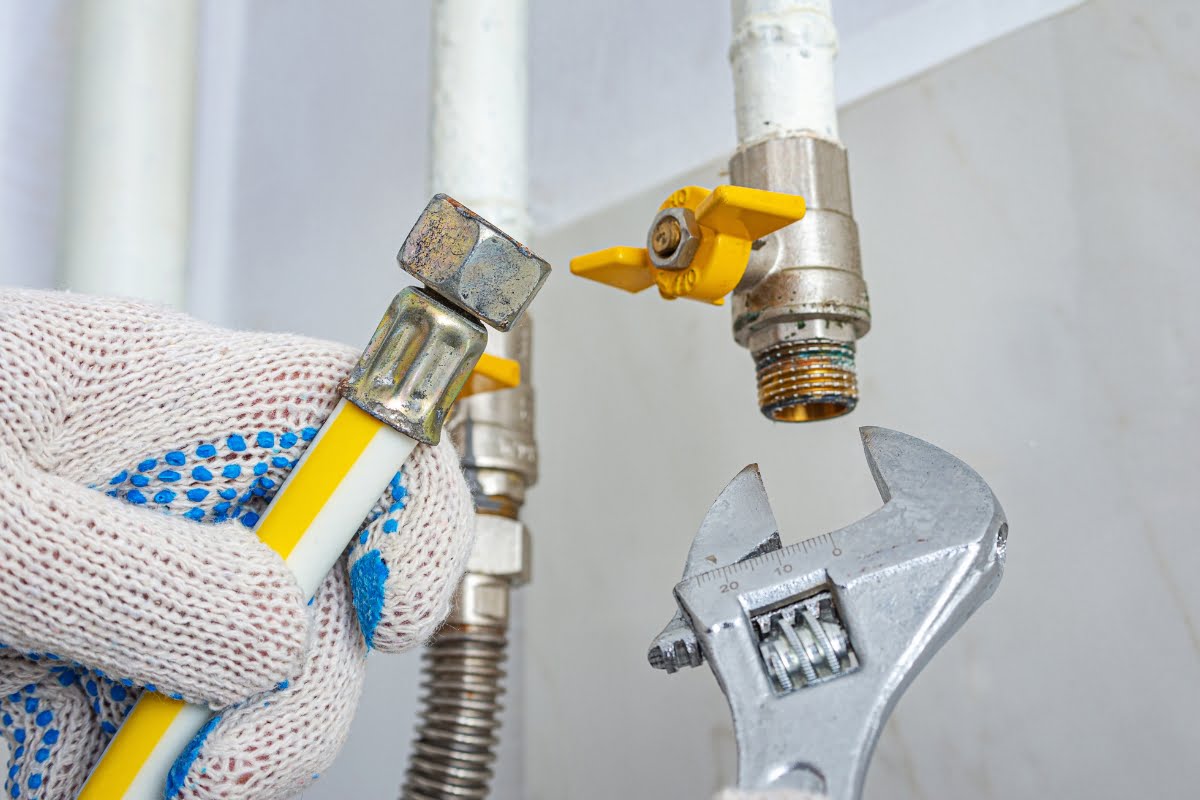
pixel 138 448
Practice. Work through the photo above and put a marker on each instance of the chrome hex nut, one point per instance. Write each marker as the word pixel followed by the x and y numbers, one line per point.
pixel 673 239
pixel 473 264
pixel 502 548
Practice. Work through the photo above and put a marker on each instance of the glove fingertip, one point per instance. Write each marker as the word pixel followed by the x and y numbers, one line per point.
pixel 408 560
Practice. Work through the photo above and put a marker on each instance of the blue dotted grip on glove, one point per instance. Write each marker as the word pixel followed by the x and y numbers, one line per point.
pixel 207 487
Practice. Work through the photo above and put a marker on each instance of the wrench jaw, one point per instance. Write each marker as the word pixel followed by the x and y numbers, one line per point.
pixel 927 482
pixel 739 525
pixel 903 580
pixel 676 647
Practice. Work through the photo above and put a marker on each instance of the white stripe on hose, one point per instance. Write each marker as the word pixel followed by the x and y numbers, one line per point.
pixel 339 519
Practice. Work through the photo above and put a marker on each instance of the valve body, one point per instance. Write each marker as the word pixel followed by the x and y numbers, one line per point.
pixel 802 303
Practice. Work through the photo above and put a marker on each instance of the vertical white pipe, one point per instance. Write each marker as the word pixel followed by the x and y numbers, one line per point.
pixel 782 57
pixel 480 97
pixel 211 278
pixel 479 156
pixel 34 79
pixel 129 171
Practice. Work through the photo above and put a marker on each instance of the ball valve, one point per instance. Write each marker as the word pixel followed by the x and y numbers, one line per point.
pixel 699 243
pixel 789 260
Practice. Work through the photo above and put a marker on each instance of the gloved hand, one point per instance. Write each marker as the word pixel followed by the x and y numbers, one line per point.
pixel 138 448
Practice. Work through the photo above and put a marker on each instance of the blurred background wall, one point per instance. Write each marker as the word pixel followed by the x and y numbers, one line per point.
pixel 1026 190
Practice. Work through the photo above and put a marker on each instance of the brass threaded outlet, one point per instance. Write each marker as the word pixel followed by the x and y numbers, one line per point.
pixel 806 380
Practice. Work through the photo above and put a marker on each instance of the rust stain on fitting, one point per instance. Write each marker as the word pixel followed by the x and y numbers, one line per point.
pixel 806 380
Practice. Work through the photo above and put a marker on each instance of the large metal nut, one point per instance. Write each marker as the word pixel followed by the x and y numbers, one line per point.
pixel 677 251
pixel 502 548
pixel 471 263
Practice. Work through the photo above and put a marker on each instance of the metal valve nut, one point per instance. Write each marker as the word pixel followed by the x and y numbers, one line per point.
pixel 419 357
pixel 673 239
pixel 472 263
pixel 502 548
pixel 481 600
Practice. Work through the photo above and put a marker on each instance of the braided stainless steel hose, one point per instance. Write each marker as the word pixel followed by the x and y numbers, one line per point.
pixel 457 737
pixel 456 742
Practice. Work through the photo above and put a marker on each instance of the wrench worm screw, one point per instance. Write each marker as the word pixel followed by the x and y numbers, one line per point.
pixel 804 643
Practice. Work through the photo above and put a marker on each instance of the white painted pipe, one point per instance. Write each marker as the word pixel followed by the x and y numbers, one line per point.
pixel 129 172
pixel 479 155
pixel 782 57
pixel 220 94
pixel 480 108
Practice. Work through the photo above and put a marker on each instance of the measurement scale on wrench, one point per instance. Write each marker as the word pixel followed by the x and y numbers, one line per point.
pixel 780 557
pixel 813 643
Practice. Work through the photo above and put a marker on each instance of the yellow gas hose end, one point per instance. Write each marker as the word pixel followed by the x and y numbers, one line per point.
pixel 427 347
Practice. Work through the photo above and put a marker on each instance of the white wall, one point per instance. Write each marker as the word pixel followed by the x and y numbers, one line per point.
pixel 1029 231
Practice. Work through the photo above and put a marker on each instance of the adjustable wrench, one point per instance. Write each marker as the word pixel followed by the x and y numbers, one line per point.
pixel 814 643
